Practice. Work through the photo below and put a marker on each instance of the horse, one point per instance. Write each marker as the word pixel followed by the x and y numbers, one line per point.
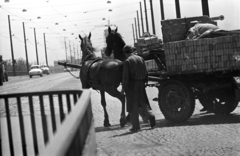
pixel 101 74
pixel 115 43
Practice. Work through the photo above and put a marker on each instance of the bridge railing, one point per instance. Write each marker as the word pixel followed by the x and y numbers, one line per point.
pixel 73 107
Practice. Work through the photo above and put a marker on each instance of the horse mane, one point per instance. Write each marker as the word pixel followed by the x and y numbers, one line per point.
pixel 120 37
pixel 89 46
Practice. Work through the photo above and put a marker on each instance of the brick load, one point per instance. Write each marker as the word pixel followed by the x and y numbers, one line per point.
pixel 204 55
pixel 146 43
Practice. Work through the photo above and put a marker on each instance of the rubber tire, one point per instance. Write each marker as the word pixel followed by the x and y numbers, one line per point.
pixel 187 104
pixel 30 76
pixel 41 75
pixel 214 101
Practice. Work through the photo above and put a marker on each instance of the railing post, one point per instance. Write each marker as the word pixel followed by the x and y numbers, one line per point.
pixel 22 129
pixel 10 137
pixel 34 133
pixel 44 122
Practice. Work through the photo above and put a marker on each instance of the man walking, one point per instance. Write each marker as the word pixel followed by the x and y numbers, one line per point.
pixel 133 84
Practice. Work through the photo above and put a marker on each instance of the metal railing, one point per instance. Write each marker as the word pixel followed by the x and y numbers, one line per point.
pixel 71 96
pixel 77 135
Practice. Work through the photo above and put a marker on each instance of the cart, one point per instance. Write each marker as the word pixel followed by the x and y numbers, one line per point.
pixel 205 69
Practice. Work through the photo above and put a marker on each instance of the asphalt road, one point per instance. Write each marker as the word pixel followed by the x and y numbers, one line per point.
pixel 203 134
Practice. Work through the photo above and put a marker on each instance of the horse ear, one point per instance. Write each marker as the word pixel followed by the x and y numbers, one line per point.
pixel 80 37
pixel 116 29
pixel 89 36
pixel 109 30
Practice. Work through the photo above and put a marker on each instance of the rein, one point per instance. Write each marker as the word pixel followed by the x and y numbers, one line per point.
pixel 78 77
pixel 72 74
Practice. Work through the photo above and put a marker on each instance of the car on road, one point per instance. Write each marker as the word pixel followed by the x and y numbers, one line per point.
pixel 45 69
pixel 35 70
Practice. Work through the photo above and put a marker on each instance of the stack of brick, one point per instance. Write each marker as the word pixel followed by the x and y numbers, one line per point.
pixel 151 42
pixel 204 55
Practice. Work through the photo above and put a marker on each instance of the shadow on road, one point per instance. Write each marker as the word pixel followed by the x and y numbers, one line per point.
pixel 195 120
pixel 202 119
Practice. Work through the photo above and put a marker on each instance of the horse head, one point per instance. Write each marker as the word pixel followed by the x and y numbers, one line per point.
pixel 115 43
pixel 86 47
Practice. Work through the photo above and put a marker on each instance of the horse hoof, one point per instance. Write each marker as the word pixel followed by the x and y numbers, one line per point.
pixel 106 124
pixel 123 122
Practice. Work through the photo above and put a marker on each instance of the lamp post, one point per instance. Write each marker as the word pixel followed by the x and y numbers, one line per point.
pixel 177 9
pixel 141 17
pixel 65 48
pixel 45 49
pixel 138 25
pixel 70 52
pixel 145 7
pixel 36 45
pixel 10 34
pixel 135 28
pixel 162 9
pixel 133 34
pixel 25 43
pixel 153 24
pixel 205 8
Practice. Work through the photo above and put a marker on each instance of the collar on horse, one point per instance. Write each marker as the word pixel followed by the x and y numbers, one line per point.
pixel 89 80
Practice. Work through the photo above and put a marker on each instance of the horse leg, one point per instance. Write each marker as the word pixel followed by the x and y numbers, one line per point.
pixel 115 93
pixel 103 102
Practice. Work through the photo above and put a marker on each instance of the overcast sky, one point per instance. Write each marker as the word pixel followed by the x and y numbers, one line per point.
pixel 84 16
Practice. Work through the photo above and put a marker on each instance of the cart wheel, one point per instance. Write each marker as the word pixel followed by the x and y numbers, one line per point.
pixel 219 101
pixel 176 101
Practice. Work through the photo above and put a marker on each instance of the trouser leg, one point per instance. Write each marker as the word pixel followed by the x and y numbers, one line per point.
pixel 134 117
pixel 146 111
pixel 149 113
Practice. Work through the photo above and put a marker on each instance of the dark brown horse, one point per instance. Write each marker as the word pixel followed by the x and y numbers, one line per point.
pixel 104 75
pixel 115 44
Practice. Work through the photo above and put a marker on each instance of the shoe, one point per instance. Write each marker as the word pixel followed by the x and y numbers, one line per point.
pixel 203 109
pixel 134 130
pixel 152 121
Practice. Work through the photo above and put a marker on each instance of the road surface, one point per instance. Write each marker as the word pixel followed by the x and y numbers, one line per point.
pixel 203 134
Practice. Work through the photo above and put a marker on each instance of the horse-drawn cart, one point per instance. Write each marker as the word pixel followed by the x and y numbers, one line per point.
pixel 205 69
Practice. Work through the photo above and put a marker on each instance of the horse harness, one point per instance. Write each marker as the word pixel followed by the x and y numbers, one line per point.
pixel 89 80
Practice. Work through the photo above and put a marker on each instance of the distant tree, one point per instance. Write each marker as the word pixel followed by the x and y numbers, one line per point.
pixel 20 65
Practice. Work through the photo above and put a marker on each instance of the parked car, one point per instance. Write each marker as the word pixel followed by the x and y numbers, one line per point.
pixel 35 70
pixel 45 69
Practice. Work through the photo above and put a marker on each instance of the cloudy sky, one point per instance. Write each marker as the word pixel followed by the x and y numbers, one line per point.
pixel 62 20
